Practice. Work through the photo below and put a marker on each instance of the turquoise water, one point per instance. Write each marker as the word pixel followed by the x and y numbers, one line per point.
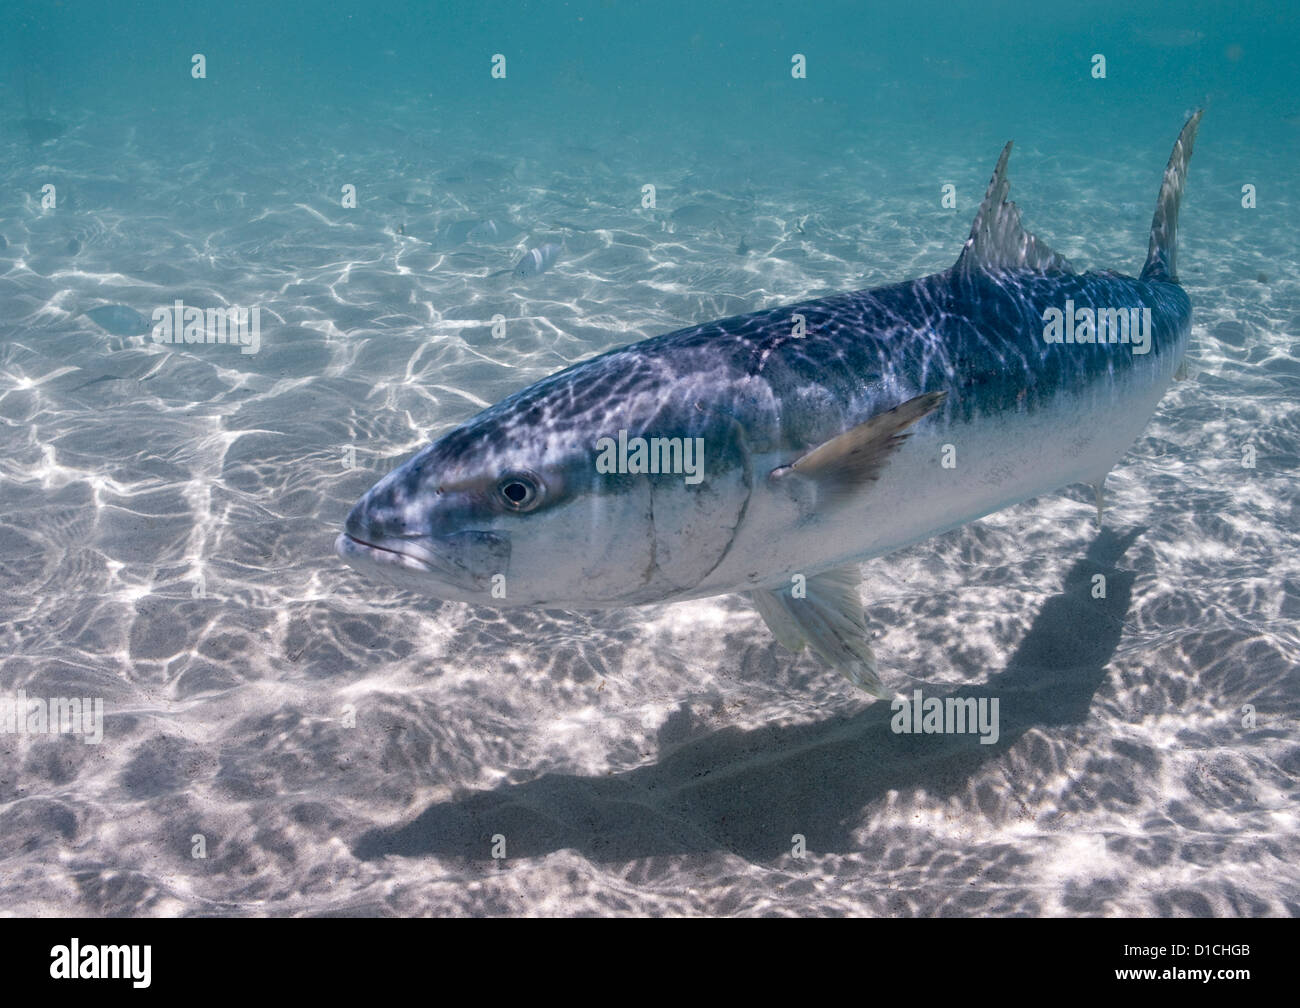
pixel 335 746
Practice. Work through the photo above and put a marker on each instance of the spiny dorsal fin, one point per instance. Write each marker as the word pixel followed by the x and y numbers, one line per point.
pixel 998 242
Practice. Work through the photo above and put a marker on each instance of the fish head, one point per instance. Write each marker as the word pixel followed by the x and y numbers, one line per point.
pixel 449 521
pixel 485 230
pixel 514 508
pixel 480 517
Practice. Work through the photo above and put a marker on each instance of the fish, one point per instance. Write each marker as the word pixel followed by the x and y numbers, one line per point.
pixel 40 130
pixel 455 233
pixel 483 232
pixel 772 453
pixel 117 319
pixel 537 260
pixel 492 232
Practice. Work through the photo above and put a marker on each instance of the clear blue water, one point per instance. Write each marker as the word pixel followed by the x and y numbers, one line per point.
pixel 281 736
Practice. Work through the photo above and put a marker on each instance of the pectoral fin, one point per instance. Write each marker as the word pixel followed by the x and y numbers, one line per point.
pixel 827 615
pixel 841 466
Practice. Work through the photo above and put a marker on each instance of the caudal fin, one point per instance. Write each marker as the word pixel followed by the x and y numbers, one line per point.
pixel 1163 251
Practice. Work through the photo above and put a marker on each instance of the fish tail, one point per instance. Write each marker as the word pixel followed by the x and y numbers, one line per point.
pixel 1162 254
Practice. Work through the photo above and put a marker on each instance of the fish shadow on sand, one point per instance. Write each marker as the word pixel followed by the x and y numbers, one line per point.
pixel 750 791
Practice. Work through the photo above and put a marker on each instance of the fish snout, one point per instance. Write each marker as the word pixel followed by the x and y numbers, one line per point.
pixel 360 523
pixel 401 543
pixel 376 521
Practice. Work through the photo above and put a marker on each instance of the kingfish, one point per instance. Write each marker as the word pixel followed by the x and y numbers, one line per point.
pixel 771 453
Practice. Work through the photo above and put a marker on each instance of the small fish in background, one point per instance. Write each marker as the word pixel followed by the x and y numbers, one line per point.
pixel 118 320
pixel 1169 37
pixel 700 216
pixel 537 260
pixel 485 231
pixel 455 233
pixel 476 231
pixel 493 232
pixel 3 244
pixel 417 195
pixel 41 131
pixel 38 120
pixel 743 247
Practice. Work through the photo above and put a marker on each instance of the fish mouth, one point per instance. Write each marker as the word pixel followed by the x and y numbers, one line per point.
pixel 350 547
pixel 464 561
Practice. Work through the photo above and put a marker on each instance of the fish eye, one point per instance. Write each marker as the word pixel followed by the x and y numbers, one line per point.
pixel 520 491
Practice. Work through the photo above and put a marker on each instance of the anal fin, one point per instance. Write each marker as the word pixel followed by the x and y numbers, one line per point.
pixel 828 616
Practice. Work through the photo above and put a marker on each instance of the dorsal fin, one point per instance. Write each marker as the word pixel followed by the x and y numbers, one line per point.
pixel 1163 247
pixel 998 242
